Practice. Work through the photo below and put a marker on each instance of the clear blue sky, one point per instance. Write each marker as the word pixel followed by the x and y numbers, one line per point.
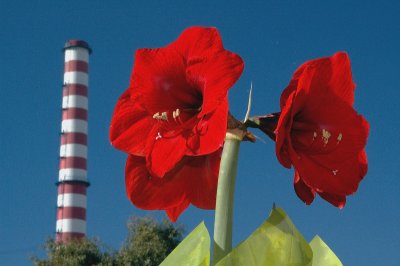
pixel 273 38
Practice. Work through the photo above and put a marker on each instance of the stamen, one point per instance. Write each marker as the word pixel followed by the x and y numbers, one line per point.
pixel 163 116
pixel 156 115
pixel 339 138
pixel 314 136
pixel 176 113
pixel 325 136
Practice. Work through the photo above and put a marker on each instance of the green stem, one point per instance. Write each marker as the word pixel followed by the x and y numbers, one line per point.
pixel 225 195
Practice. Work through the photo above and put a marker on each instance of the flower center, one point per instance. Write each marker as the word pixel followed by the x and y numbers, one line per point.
pixel 178 116
pixel 315 139
pixel 172 123
pixel 325 138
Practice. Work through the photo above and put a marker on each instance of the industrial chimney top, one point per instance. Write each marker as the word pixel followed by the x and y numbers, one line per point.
pixel 77 43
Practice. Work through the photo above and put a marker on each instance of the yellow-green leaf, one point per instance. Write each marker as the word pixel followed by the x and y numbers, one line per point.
pixel 322 254
pixel 275 242
pixel 194 250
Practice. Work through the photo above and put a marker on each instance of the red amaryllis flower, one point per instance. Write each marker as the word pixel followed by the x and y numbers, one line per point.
pixel 319 132
pixel 172 121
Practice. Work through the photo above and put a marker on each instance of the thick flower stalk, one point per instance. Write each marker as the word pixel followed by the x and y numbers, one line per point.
pixel 225 194
pixel 319 132
pixel 172 121
pixel 237 132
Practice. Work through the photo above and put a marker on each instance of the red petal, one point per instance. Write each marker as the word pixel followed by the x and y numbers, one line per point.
pixel 323 177
pixel 292 87
pixel 130 124
pixel 150 193
pixel 215 74
pixel 209 133
pixel 199 176
pixel 320 79
pixel 209 65
pixel 336 200
pixel 363 162
pixel 194 42
pixel 165 153
pixel 303 191
pixel 159 81
pixel 193 180
pixel 203 184
pixel 282 132
pixel 175 212
pixel 341 80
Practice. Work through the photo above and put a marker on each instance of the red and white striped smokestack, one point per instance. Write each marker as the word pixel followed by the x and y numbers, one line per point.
pixel 72 178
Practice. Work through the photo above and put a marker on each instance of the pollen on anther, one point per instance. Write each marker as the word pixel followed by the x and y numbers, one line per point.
pixel 176 113
pixel 164 116
pixel 325 136
pixel 339 138
pixel 156 115
pixel 314 136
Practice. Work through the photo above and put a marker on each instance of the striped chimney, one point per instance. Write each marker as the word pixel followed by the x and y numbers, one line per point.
pixel 72 178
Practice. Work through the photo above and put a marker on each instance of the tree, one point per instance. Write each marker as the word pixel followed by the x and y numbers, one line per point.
pixel 148 243
pixel 75 252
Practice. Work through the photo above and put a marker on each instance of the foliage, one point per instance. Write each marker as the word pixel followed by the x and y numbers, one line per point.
pixel 75 252
pixel 148 243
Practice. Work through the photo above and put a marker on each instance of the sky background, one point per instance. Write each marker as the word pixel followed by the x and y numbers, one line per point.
pixel 272 37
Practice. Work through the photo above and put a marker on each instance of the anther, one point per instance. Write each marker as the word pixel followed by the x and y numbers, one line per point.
pixel 325 136
pixel 163 116
pixel 314 136
pixel 339 138
pixel 176 113
pixel 176 117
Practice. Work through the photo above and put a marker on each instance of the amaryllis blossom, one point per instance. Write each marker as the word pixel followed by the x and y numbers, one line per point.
pixel 319 132
pixel 172 121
